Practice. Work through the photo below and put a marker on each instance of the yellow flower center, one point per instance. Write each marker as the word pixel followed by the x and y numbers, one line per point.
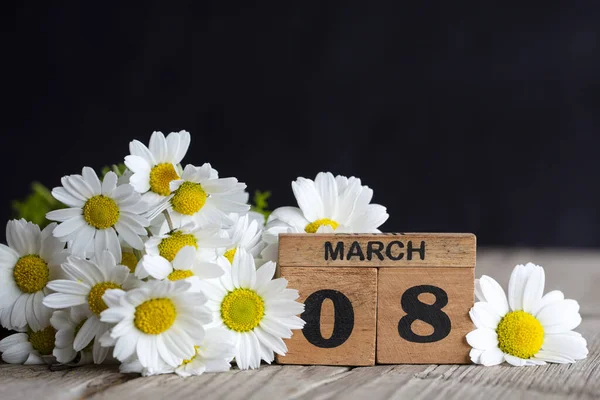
pixel 97 305
pixel 101 212
pixel 31 273
pixel 520 334
pixel 230 254
pixel 184 362
pixel 161 176
pixel 155 316
pixel 179 274
pixel 170 246
pixel 43 340
pixel 314 226
pixel 77 329
pixel 189 198
pixel 242 310
pixel 129 260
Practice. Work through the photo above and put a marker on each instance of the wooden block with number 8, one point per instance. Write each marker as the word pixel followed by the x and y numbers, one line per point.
pixel 423 315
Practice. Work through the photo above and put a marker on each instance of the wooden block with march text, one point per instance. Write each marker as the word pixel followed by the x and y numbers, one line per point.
pixel 423 315
pixel 340 315
pixel 379 250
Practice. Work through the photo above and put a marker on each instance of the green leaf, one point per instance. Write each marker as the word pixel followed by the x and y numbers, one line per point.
pixel 118 169
pixel 260 203
pixel 36 205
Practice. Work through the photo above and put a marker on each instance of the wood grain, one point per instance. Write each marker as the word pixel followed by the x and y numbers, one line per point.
pixel 418 382
pixel 57 382
pixel 573 271
pixel 378 250
pixel 456 283
pixel 359 286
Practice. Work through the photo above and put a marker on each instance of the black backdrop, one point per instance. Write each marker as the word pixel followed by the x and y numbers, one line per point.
pixel 481 119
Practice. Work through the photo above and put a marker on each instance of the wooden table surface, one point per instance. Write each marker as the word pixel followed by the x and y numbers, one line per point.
pixel 575 272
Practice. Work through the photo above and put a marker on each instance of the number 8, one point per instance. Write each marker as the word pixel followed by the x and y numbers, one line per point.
pixel 429 313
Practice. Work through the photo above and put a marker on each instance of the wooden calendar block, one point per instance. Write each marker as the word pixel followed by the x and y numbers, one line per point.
pixel 423 315
pixel 340 315
pixel 403 296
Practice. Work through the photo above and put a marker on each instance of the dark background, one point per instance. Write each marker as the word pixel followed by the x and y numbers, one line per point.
pixel 480 118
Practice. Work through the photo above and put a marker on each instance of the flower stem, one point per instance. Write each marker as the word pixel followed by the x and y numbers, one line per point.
pixel 169 222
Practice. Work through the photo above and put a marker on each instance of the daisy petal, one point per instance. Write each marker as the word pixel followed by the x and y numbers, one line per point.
pixel 484 316
pixel 109 183
pixel 548 298
pixel 475 356
pixel 516 286
pixel 64 214
pixel 137 148
pixel 534 289
pixel 60 300
pixel 491 357
pixel 129 235
pixel 327 189
pixel 18 313
pixel 516 361
pixel 308 199
pixel 560 316
pixel 69 287
pixel 494 294
pixel 85 334
pixel 92 180
pixel 483 339
pixel 158 148
pixel 550 356
pixel 290 215
pixel 99 352
pixel 569 346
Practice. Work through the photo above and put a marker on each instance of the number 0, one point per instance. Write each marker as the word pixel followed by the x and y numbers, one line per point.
pixel 343 320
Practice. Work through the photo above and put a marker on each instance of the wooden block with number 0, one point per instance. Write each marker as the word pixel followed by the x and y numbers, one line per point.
pixel 340 315
pixel 405 296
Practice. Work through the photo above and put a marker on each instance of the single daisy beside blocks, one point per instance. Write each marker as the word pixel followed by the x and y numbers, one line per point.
pixel 526 327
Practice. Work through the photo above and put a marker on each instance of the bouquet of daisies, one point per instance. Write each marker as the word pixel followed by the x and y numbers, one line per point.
pixel 164 269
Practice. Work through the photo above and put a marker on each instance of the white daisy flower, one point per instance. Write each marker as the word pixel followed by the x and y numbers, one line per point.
pixel 99 211
pixel 257 310
pixel 202 197
pixel 30 260
pixel 67 324
pixel 159 322
pixel 205 239
pixel 154 168
pixel 330 204
pixel 214 354
pixel 185 265
pixel 528 328
pixel 87 281
pixel 245 233
pixel 164 259
pixel 31 347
